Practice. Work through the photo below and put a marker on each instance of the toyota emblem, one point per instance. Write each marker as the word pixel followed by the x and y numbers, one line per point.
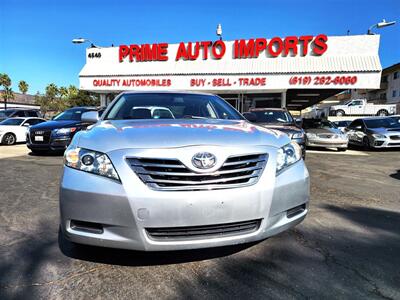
pixel 204 160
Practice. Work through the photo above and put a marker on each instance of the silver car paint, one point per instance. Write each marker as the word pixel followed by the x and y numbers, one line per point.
pixel 125 209
pixel 335 141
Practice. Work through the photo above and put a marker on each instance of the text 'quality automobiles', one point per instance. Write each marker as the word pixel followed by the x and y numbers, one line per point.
pixel 200 176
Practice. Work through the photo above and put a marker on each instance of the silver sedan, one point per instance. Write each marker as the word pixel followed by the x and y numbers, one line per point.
pixel 204 178
pixel 324 134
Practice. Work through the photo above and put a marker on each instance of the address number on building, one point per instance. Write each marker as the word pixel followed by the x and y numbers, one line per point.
pixel 94 55
pixel 323 80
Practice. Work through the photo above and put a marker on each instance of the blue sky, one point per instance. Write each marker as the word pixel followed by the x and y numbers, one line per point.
pixel 35 35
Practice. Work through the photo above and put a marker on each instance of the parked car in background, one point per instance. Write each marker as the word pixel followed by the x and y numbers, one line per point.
pixel 362 107
pixel 279 119
pixel 375 132
pixel 204 178
pixel 13 130
pixel 342 125
pixel 55 135
pixel 396 118
pixel 324 134
pixel 19 112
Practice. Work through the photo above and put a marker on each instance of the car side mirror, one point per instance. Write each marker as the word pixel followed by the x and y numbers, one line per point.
pixel 90 117
pixel 250 116
pixel 298 122
pixel 27 125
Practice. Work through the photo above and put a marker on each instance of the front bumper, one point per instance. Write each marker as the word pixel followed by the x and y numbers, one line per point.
pixel 327 143
pixel 125 210
pixel 388 142
pixel 55 143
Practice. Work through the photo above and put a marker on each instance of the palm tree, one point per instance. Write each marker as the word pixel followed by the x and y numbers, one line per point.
pixel 23 87
pixel 5 81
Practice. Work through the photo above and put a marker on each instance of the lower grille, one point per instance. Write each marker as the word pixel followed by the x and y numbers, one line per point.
pixel 200 232
pixel 46 136
pixel 395 137
pixel 172 174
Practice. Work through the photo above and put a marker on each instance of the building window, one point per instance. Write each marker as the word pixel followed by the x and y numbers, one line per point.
pixel 394 93
pixel 384 78
pixel 395 75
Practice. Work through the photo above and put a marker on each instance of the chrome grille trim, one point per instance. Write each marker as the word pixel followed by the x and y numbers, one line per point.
pixel 173 175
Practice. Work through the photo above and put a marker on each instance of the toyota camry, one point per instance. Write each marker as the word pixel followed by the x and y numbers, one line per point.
pixel 198 176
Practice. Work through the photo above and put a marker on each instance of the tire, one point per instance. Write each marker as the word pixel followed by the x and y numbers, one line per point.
pixel 9 139
pixel 339 113
pixel 341 149
pixel 366 143
pixel 382 113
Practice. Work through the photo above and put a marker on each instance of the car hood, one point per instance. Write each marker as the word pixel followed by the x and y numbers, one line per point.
pixel 55 124
pixel 383 130
pixel 288 129
pixel 324 130
pixel 107 136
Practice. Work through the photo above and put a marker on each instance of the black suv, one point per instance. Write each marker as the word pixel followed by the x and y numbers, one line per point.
pixel 55 135
pixel 19 112
pixel 279 119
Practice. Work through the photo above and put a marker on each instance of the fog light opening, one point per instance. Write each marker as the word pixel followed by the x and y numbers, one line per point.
pixel 86 226
pixel 295 211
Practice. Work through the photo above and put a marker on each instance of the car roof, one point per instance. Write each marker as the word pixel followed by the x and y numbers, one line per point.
pixel 166 92
pixel 373 118
pixel 267 109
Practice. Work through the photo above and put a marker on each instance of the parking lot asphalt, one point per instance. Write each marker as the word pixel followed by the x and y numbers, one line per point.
pixel 347 247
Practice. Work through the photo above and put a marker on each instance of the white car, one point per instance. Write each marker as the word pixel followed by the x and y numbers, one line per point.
pixel 13 130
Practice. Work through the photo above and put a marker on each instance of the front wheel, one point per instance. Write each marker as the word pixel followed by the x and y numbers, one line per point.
pixel 366 143
pixel 9 139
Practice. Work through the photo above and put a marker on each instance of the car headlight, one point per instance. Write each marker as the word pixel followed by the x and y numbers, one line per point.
pixel 61 131
pixel 298 135
pixel 90 161
pixel 379 136
pixel 311 135
pixel 287 156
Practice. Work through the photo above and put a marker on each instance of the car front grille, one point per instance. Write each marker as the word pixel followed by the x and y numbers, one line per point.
pixel 173 175
pixel 328 136
pixel 395 137
pixel 45 133
pixel 200 232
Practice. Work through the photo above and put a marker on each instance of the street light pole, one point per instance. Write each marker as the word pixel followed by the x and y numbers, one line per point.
pixel 380 25
pixel 82 40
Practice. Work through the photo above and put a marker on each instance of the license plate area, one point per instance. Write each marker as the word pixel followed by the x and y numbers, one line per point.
pixel 39 138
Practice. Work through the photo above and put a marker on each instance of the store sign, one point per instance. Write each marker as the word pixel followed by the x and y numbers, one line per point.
pixel 242 49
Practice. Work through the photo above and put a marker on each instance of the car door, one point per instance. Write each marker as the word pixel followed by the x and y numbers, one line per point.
pixel 356 107
pixel 22 130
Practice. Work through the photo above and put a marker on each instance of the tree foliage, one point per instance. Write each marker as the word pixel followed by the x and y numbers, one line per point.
pixel 57 99
pixel 23 87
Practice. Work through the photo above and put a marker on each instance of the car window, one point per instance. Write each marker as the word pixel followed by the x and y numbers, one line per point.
pixel 12 122
pixel 19 113
pixel 317 123
pixel 70 114
pixel 273 117
pixel 31 113
pixel 357 124
pixel 176 105
pixel 35 121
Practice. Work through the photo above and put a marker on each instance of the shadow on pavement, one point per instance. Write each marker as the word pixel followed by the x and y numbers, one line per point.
pixel 396 175
pixel 139 258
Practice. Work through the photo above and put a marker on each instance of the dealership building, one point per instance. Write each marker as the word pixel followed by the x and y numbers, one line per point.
pixel 294 72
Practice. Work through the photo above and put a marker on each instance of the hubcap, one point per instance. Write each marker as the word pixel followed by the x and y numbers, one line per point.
pixel 9 139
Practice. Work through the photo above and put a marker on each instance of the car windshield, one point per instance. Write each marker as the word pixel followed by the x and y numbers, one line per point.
pixel 5 113
pixel 273 116
pixel 382 123
pixel 71 114
pixel 171 106
pixel 12 122
pixel 316 124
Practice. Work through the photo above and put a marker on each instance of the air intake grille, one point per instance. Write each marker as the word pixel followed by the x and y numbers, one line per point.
pixel 171 174
pixel 207 231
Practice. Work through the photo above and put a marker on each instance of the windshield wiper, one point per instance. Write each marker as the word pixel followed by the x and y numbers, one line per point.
pixel 194 117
